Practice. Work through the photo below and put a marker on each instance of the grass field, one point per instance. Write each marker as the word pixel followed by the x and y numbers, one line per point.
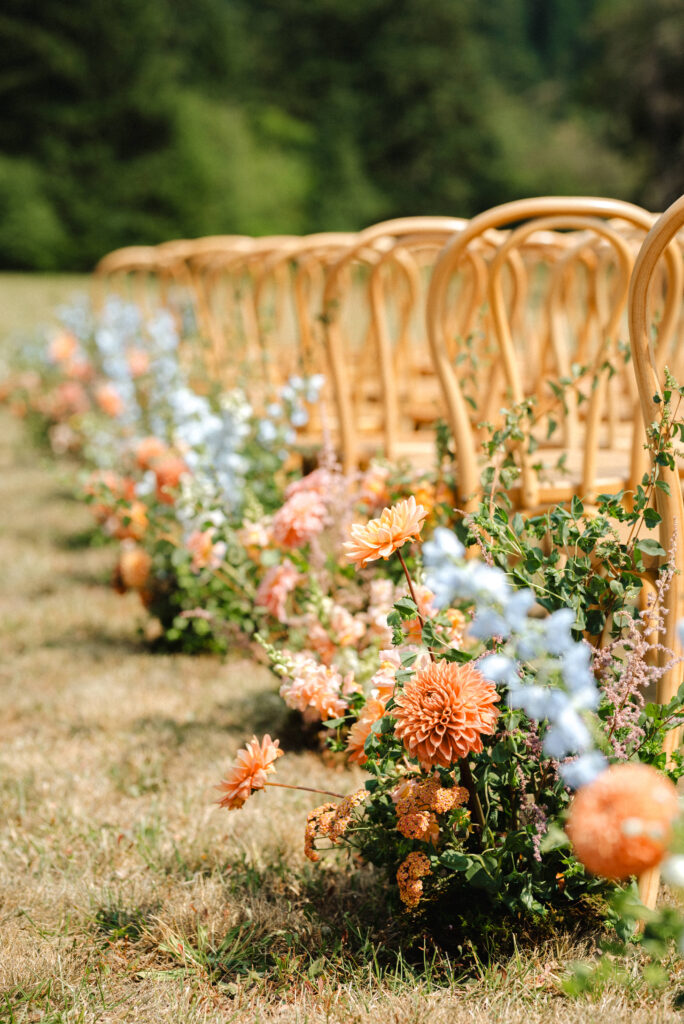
pixel 125 894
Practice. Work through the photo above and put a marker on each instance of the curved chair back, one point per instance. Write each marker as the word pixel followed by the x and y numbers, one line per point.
pixel 587 234
pixel 372 303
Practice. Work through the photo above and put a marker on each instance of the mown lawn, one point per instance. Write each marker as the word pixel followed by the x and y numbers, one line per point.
pixel 125 894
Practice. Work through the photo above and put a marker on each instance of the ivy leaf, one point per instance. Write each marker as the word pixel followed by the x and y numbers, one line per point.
pixel 649 546
pixel 554 839
pixel 651 517
pixel 455 861
pixel 406 607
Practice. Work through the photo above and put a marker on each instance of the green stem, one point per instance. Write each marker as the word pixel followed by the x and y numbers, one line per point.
pixel 474 800
pixel 415 599
pixel 306 789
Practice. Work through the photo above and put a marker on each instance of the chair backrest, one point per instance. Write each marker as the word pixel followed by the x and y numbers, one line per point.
pixel 580 237
pixel 131 272
pixel 372 302
pixel 660 248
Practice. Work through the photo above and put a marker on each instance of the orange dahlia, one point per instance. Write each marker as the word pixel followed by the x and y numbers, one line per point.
pixel 379 538
pixel 252 765
pixel 621 824
pixel 444 711
pixel 373 710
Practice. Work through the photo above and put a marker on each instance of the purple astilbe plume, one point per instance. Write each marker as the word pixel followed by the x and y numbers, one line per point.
pixel 627 666
pixel 532 813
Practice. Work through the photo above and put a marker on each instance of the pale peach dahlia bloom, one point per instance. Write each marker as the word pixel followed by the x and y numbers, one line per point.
pixel 319 482
pixel 252 765
pixel 372 711
pixel 380 537
pixel 205 553
pixel 621 824
pixel 444 711
pixel 302 517
pixel 275 588
pixel 314 688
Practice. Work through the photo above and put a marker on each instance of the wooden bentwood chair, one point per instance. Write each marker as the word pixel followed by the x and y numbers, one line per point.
pixel 659 247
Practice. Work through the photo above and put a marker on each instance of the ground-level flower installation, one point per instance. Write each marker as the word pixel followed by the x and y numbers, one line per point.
pixel 473 751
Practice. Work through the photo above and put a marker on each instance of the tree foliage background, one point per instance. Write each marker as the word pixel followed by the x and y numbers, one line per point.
pixel 134 121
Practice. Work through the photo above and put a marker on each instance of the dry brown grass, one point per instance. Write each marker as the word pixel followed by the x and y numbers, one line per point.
pixel 125 895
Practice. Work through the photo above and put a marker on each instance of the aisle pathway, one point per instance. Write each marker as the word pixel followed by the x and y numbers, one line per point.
pixel 108 758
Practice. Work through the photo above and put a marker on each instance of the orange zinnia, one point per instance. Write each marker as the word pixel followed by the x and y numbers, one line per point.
pixel 621 824
pixel 252 765
pixel 379 538
pixel 444 711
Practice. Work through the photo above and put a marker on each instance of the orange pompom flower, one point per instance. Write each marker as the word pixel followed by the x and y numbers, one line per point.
pixel 444 711
pixel 252 765
pixel 621 824
pixel 379 538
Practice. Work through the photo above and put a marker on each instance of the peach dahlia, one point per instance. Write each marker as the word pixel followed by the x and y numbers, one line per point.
pixel 380 537
pixel 444 711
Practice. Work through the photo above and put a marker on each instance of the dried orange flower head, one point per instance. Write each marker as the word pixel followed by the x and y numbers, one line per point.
pixel 252 765
pixel 444 711
pixel 409 875
pixel 379 538
pixel 621 824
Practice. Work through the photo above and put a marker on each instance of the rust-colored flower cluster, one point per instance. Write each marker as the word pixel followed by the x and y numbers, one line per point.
pixel 411 871
pixel 419 801
pixel 444 711
pixel 330 821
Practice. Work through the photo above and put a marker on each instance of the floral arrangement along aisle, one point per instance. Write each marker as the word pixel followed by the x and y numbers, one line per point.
pixel 473 750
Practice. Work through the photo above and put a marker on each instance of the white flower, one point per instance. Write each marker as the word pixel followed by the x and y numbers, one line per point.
pixel 498 668
pixel 517 607
pixel 267 432
pixel 567 735
pixel 575 667
pixel 673 867
pixel 557 636
pixel 583 770
pixel 488 623
pixel 444 544
pixel 299 417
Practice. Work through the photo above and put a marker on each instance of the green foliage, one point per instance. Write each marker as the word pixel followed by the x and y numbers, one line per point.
pixel 148 121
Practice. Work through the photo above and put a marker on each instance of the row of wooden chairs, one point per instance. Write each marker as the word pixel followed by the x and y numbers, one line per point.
pixel 424 318
pixel 565 310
